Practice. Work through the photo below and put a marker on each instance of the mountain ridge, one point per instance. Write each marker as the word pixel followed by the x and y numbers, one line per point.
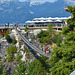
pixel 3 1
pixel 20 12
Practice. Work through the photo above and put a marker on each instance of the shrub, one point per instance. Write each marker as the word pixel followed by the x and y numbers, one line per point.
pixel 7 37
pixel 10 58
pixel 26 28
pixel 19 56
pixel 14 41
pixel 4 60
pixel 57 39
pixel 10 53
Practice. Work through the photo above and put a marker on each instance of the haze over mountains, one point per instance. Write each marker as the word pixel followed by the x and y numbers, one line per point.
pixel 13 11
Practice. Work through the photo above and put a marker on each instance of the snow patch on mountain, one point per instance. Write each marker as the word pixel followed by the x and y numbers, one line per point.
pixel 31 12
pixel 37 2
pixel 2 1
pixel 19 7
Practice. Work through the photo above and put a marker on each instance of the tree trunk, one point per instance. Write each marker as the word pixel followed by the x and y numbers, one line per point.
pixel 73 15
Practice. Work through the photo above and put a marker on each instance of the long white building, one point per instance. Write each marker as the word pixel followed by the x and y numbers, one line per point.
pixel 56 22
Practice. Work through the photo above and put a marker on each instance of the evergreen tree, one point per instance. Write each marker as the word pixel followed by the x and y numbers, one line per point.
pixel 4 72
pixel 14 41
pixel 36 68
pixel 10 53
pixel 7 37
pixel 26 28
pixel 63 57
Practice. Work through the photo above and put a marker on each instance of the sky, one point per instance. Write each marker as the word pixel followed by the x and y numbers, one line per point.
pixel 39 0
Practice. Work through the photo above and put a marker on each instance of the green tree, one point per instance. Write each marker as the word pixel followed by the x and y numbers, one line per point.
pixel 1 69
pixel 71 21
pixel 36 68
pixel 57 39
pixel 71 9
pixel 42 34
pixel 7 37
pixel 8 31
pixel 65 30
pixel 11 50
pixel 19 56
pixel 63 57
pixel 21 69
pixel 26 28
pixel 10 53
pixel 4 72
pixel 49 36
pixel 43 37
pixel 51 31
pixel 14 41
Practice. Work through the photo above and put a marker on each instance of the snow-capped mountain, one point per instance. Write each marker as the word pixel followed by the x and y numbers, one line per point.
pixel 15 11
pixel 2 1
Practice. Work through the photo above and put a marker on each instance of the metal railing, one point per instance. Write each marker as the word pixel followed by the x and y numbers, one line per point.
pixel 30 45
pixel 29 26
pixel 10 25
pixel 45 25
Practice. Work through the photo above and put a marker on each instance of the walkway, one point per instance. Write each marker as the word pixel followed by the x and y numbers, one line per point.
pixel 30 45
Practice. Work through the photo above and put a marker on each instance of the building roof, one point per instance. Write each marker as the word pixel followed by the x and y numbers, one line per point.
pixel 58 20
pixel 50 19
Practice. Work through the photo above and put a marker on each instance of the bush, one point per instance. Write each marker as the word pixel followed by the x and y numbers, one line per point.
pixel 0 57
pixel 8 31
pixel 42 34
pixel 44 40
pixel 57 39
pixel 4 60
pixel 65 30
pixel 19 56
pixel 7 37
pixel 14 41
pixel 10 53
pixel 10 58
pixel 26 28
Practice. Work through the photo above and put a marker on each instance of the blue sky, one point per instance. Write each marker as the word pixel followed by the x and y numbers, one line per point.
pixel 40 0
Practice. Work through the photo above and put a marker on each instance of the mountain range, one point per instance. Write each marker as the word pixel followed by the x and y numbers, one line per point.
pixel 13 11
